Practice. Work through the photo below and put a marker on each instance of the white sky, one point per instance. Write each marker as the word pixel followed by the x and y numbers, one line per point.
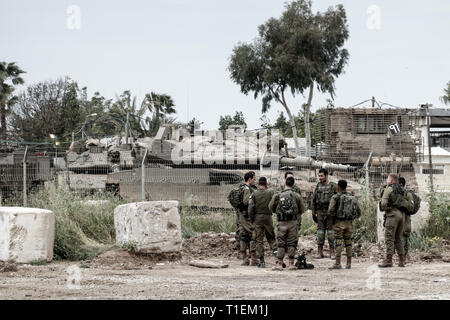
pixel 182 48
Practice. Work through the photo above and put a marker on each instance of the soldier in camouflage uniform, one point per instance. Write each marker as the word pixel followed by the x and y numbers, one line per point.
pixel 343 209
pixel 261 216
pixel 246 227
pixel 288 205
pixel 394 202
pixel 288 174
pixel 320 203
pixel 407 226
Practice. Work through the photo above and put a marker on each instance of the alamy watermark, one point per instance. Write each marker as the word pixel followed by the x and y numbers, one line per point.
pixel 73 277
pixel 374 17
pixel 73 21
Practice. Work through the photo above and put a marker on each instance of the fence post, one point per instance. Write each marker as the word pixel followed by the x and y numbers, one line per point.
pixel 24 164
pixel 143 175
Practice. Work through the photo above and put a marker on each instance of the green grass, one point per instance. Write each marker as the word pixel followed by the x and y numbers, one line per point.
pixel 194 222
pixel 81 231
pixel 365 227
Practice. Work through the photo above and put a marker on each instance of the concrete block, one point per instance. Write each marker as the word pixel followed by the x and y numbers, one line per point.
pixel 26 234
pixel 154 226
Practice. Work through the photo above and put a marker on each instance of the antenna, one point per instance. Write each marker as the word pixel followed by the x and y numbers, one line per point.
pixel 187 103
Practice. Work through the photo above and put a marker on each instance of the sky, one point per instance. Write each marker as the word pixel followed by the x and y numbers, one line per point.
pixel 398 51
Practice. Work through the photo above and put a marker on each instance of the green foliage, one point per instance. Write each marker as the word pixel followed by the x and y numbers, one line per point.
pixel 294 53
pixel 308 227
pixel 10 76
pixel 438 223
pixel 48 107
pixel 130 246
pixel 194 221
pixel 446 97
pixel 365 227
pixel 237 119
pixel 82 230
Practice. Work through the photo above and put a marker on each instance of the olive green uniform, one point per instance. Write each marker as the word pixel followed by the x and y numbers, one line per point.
pixel 261 216
pixel 287 227
pixel 295 189
pixel 395 221
pixel 320 203
pixel 246 227
pixel 407 227
pixel 343 229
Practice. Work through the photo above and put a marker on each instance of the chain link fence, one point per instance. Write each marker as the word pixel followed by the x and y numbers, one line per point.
pixel 373 142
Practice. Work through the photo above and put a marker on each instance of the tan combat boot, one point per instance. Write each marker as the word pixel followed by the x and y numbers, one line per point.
pixel 349 262
pixel 402 260
pixel 387 262
pixel 254 261
pixel 332 253
pixel 319 252
pixel 278 266
pixel 337 264
pixel 292 265
pixel 245 261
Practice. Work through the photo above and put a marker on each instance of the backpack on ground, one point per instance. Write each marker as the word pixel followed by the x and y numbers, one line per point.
pixel 347 208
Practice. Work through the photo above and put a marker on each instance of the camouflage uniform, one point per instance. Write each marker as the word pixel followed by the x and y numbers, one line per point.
pixel 343 229
pixel 395 221
pixel 319 204
pixel 261 216
pixel 246 227
pixel 407 227
pixel 295 189
pixel 287 228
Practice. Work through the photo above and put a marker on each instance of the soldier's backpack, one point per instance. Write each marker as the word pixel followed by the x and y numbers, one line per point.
pixel 416 201
pixel 397 198
pixel 287 206
pixel 236 196
pixel 347 208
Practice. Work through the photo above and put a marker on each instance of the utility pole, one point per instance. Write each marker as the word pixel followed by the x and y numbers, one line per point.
pixel 127 126
pixel 430 161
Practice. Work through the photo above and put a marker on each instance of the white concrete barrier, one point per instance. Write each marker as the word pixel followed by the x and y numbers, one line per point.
pixel 153 226
pixel 26 234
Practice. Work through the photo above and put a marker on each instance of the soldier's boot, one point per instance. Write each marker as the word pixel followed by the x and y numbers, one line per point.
pixel 349 262
pixel 254 261
pixel 278 266
pixel 402 260
pixel 261 263
pixel 337 264
pixel 292 265
pixel 387 262
pixel 319 252
pixel 332 253
pixel 245 261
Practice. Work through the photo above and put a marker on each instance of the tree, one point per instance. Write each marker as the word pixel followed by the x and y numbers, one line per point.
pixel 446 97
pixel 49 107
pixel 237 119
pixel 9 77
pixel 161 106
pixel 295 53
pixel 118 112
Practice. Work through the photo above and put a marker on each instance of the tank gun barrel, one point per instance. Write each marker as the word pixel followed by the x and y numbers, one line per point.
pixel 309 162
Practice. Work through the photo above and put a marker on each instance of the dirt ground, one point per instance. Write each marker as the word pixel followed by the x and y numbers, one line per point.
pixel 118 274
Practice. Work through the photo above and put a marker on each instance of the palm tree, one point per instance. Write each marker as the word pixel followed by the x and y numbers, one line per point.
pixel 8 72
pixel 446 97
pixel 126 102
pixel 161 105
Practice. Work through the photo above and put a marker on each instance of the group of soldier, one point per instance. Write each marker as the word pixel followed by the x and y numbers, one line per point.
pixel 333 209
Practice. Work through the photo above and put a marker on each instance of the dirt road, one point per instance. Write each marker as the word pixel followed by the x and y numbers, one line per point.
pixel 117 275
